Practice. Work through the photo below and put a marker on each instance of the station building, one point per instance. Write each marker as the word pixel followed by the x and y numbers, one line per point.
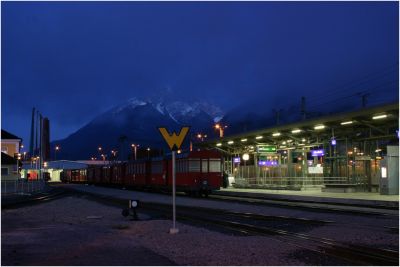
pixel 346 152
pixel 54 170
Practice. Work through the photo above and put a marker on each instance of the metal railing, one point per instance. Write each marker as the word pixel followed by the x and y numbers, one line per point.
pixel 21 186
pixel 290 183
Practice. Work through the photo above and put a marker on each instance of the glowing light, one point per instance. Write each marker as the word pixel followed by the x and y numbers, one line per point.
pixel 379 117
pixel 276 134
pixel 296 131
pixel 259 137
pixel 219 144
pixel 244 140
pixel 230 142
pixel 346 122
pixel 319 127
pixel 245 156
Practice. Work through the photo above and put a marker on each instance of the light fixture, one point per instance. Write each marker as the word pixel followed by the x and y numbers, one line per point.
pixel 296 131
pixel 244 140
pixel 346 122
pixel 319 127
pixel 259 137
pixel 245 157
pixel 276 134
pixel 379 117
pixel 230 142
pixel 219 144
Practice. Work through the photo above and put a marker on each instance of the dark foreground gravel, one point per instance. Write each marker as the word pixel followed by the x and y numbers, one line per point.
pixel 74 231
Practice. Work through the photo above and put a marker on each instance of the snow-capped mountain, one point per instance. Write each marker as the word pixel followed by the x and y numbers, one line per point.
pixel 136 121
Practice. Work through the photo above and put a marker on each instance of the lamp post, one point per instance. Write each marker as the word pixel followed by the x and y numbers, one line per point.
pixel 55 152
pixel 148 153
pixel 221 129
pixel 135 146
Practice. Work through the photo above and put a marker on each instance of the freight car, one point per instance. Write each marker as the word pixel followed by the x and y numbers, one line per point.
pixel 197 172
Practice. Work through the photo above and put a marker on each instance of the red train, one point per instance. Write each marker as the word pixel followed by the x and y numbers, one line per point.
pixel 197 172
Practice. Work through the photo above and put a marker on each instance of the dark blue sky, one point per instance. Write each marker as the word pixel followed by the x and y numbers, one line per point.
pixel 74 60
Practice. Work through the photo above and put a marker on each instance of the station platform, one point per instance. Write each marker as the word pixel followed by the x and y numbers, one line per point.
pixel 315 195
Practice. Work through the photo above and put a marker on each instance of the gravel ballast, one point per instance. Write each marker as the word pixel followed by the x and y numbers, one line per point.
pixel 74 231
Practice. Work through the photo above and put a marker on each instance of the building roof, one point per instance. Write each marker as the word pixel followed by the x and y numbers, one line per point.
pixel 7 160
pixel 7 135
pixel 59 164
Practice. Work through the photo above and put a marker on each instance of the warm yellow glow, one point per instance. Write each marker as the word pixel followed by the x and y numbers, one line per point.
pixel 217 126
pixel 219 144
pixel 244 140
pixel 259 137
pixel 230 142
pixel 296 131
pixel 346 122
pixel 245 156
pixel 379 117
pixel 319 127
pixel 276 134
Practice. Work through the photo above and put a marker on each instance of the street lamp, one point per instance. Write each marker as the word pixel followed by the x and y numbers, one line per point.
pixel 221 129
pixel 201 136
pixel 135 146
pixel 55 152
pixel 148 152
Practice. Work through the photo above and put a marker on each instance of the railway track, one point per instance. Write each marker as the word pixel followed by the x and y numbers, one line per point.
pixel 250 224
pixel 29 200
pixel 350 253
pixel 311 206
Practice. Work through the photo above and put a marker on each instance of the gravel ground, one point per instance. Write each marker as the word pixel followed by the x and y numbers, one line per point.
pixel 74 231
pixel 66 231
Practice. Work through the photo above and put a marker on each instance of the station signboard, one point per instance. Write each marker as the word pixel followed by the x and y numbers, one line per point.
pixel 317 152
pixel 266 149
pixel 269 163
pixel 236 160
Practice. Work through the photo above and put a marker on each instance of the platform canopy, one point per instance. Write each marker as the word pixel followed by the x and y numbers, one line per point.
pixel 59 164
pixel 375 123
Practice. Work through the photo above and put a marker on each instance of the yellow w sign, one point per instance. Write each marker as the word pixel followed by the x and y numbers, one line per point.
pixel 173 140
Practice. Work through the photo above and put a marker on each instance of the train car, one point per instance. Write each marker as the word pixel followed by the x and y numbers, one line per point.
pixel 106 174
pixel 158 173
pixel 73 176
pixel 118 173
pixel 90 174
pixel 137 173
pixel 197 172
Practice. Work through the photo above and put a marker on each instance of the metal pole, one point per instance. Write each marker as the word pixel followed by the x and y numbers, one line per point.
pixel 174 230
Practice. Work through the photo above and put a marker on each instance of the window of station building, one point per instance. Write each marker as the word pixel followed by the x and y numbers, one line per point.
pixel 204 165
pixel 194 165
pixel 4 171
pixel 4 149
pixel 215 165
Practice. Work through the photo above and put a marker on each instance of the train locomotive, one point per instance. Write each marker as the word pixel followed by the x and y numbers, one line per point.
pixel 197 173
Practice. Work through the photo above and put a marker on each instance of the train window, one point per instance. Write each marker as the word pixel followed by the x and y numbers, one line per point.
pixel 215 165
pixel 194 165
pixel 204 165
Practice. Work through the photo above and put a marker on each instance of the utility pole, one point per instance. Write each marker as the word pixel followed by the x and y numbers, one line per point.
pixel 31 145
pixel 364 100
pixel 303 108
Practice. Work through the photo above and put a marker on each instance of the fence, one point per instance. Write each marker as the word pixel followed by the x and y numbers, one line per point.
pixel 21 186
pixel 288 182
